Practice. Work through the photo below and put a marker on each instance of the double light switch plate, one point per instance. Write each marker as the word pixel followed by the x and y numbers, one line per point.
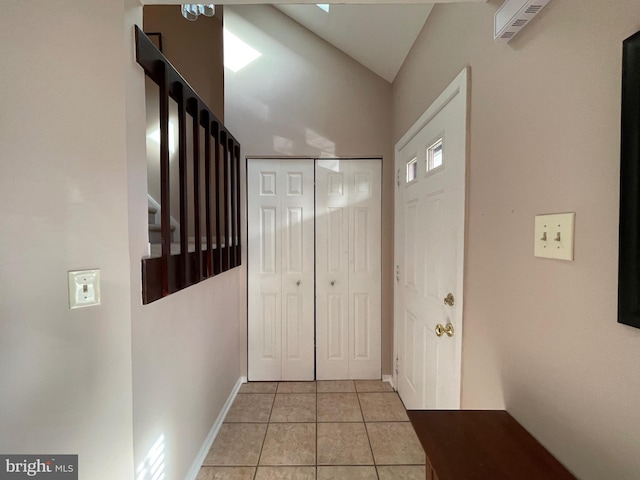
pixel 554 236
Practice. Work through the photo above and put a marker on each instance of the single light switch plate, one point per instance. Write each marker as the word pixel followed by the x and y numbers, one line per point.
pixel 554 236
pixel 84 288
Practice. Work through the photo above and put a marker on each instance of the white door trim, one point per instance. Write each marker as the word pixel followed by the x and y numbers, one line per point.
pixel 459 86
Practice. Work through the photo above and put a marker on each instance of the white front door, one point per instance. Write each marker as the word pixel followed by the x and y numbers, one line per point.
pixel 280 269
pixel 348 269
pixel 429 252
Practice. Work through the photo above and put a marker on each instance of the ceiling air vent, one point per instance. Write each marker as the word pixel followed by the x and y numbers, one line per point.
pixel 513 16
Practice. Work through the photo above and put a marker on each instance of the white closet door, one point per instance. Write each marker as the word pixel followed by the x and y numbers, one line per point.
pixel 365 269
pixel 332 270
pixel 280 270
pixel 348 269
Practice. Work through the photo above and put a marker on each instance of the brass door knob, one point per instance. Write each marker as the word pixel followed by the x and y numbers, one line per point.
pixel 449 300
pixel 449 330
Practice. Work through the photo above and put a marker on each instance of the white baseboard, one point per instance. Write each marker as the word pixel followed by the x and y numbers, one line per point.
pixel 213 433
pixel 389 380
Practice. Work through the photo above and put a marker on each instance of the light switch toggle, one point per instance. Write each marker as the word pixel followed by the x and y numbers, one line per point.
pixel 558 226
pixel 84 288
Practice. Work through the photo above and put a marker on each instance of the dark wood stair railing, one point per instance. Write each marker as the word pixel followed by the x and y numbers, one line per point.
pixel 166 274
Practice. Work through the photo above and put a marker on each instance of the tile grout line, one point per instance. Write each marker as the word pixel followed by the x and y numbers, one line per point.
pixel 266 430
pixel 373 457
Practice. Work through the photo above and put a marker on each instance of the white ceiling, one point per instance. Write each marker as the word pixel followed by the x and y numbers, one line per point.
pixel 377 36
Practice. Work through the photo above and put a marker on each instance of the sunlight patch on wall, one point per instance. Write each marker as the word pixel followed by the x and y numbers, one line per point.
pixel 323 6
pixel 282 145
pixel 152 467
pixel 237 54
pixel 326 146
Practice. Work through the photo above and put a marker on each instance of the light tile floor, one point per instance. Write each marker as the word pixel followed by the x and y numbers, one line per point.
pixel 325 430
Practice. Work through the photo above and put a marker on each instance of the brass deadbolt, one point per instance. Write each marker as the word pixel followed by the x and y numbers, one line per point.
pixel 449 300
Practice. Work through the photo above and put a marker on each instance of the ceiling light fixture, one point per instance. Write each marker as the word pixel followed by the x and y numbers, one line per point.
pixel 190 11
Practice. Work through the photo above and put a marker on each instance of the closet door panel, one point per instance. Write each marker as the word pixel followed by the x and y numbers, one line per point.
pixel 364 269
pixel 297 270
pixel 281 272
pixel 264 266
pixel 332 275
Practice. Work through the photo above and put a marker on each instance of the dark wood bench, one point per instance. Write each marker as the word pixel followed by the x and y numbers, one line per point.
pixel 482 445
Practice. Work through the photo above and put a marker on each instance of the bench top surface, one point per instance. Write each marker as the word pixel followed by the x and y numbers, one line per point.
pixel 483 444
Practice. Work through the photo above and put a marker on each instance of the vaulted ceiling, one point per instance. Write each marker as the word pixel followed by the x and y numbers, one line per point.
pixel 377 36
pixel 376 33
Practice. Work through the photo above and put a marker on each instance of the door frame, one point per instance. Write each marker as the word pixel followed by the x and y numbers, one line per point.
pixel 459 86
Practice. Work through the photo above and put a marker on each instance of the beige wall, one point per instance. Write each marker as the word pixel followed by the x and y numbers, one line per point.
pixel 541 336
pixel 65 374
pixel 303 97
